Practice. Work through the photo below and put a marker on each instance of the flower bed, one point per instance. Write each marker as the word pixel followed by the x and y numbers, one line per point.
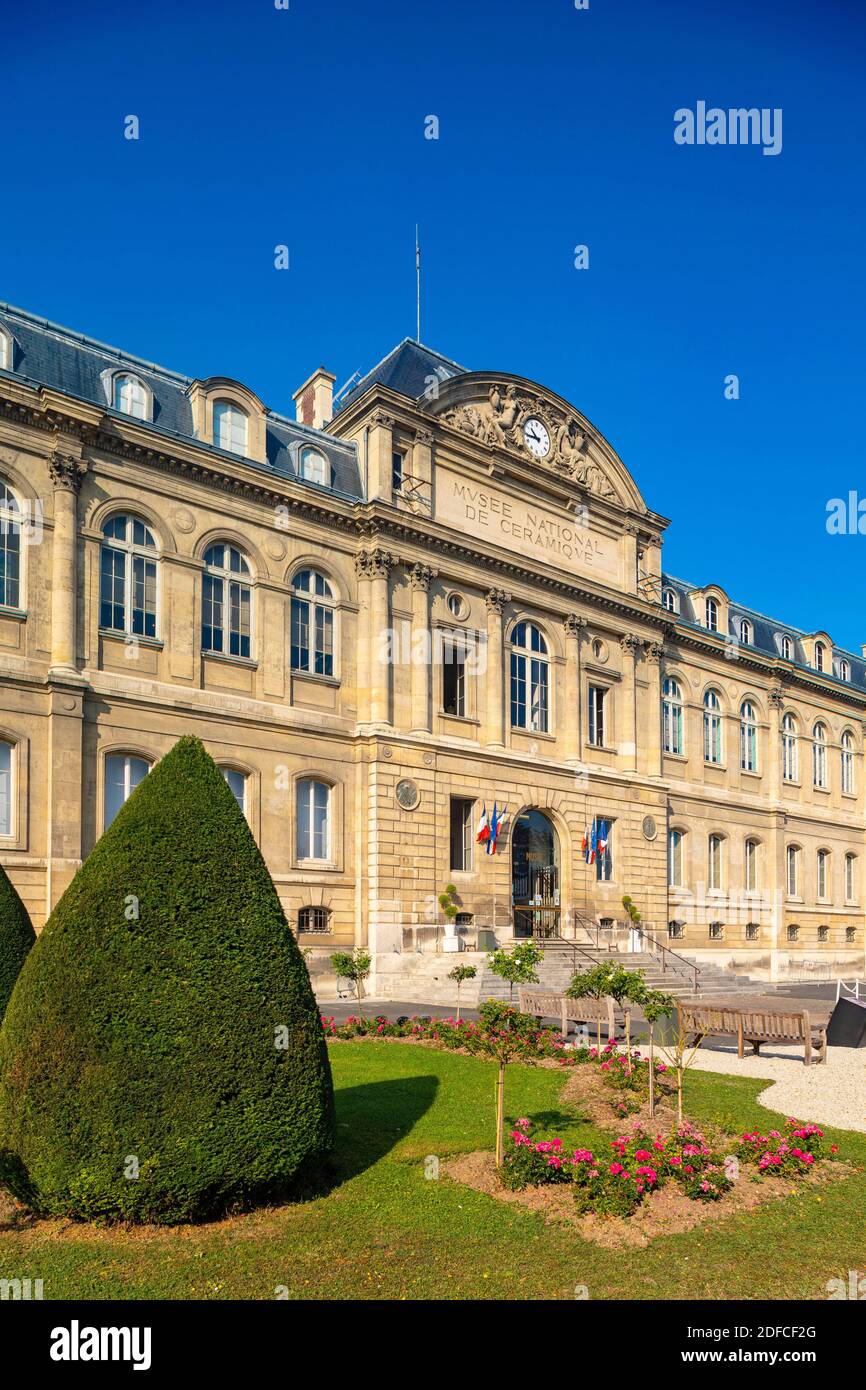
pixel 535 1043
pixel 642 1163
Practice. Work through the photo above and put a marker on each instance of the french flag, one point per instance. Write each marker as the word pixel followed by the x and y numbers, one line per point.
pixel 483 831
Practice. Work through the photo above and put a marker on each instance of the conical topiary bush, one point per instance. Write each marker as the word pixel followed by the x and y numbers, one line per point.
pixel 162 1057
pixel 16 938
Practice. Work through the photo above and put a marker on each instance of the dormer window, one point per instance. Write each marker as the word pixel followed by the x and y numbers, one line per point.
pixel 5 350
pixel 131 396
pixel 819 656
pixel 745 632
pixel 669 601
pixel 315 467
pixel 785 647
pixel 230 427
pixel 711 615
pixel 843 671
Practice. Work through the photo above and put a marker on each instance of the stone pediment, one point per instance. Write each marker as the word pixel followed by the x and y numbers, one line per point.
pixel 513 415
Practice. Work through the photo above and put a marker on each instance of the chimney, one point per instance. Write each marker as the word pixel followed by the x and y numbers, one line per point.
pixel 314 401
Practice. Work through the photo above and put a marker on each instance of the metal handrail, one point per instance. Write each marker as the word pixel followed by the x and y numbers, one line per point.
pixel 593 929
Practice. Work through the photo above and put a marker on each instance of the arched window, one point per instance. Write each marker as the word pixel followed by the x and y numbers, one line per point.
pixel 822 873
pixel 847 762
pixel 230 427
pixel 792 861
pixel 748 737
pixel 850 878
pixel 711 614
pixel 670 600
pixel 819 656
pixel 819 756
pixel 530 679
pixel 131 397
pixel 7 789
pixel 790 762
pixel 751 874
pixel 745 632
pixel 5 350
pixel 675 858
pixel 237 782
pixel 123 772
pixel 312 623
pixel 672 716
pixel 844 670
pixel 792 933
pixel 226 602
pixel 714 863
pixel 315 467
pixel 785 647
pixel 712 728
pixel 10 548
pixel 313 820
pixel 127 578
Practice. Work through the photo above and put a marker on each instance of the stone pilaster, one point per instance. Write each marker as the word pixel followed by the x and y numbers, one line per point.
pixel 379 564
pixel 67 471
pixel 571 719
pixel 627 728
pixel 420 578
pixel 494 736
pixel 653 731
pixel 380 445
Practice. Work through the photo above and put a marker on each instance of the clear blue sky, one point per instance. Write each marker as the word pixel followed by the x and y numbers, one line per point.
pixel 306 127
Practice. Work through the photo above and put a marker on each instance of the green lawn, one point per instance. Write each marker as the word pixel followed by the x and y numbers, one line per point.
pixel 385 1231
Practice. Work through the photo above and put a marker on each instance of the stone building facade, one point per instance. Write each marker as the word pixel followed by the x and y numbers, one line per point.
pixel 438 593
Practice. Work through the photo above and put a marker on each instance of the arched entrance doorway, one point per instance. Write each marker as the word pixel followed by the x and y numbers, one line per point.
pixel 535 875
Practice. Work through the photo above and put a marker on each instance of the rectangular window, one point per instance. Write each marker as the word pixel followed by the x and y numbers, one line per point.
pixel 461 834
pixel 143 596
pixel 823 857
pixel 312 621
pixel 850 894
pixel 10 562
pixel 717 931
pixel 751 866
pixel 397 470
pixel 122 775
pixel 597 698
pixel 112 590
pixel 714 865
pixel 793 874
pixel 604 853
pixel 675 859
pixel 454 679
pixel 239 620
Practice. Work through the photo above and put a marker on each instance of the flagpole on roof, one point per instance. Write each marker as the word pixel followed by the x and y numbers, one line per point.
pixel 417 286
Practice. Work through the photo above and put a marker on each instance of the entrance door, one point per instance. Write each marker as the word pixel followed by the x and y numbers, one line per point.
pixel 535 876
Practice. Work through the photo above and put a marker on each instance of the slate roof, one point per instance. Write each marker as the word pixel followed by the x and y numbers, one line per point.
pixel 407 370
pixel 765 632
pixel 45 354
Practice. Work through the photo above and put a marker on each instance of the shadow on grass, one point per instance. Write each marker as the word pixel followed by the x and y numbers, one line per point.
pixel 371 1120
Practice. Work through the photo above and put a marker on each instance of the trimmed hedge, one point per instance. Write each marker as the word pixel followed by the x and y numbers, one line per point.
pixel 162 1058
pixel 16 938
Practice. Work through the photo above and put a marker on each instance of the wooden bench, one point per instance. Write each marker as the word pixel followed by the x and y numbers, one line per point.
pixel 545 1004
pixel 755 1025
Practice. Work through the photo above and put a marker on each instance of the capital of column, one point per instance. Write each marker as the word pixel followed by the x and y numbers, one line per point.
pixel 424 438
pixel 421 576
pixel 496 600
pixel 374 564
pixel 382 420
pixel 629 643
pixel 67 471
pixel 655 651
pixel 776 697
pixel 574 625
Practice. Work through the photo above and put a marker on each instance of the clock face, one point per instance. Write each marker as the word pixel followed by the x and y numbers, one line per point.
pixel 536 438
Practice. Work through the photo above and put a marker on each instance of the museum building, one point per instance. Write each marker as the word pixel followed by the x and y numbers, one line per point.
pixel 430 604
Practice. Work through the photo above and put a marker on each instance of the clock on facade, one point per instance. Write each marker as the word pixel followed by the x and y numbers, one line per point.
pixel 407 794
pixel 536 437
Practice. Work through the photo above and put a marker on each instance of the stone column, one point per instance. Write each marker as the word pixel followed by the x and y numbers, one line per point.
pixel 67 471
pixel 774 869
pixel 496 600
pixel 380 444
pixel 773 751
pixel 421 655
pixel 380 564
pixel 571 719
pixel 654 654
pixel 627 720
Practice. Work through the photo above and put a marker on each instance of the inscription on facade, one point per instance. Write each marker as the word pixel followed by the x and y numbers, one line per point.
pixel 535 531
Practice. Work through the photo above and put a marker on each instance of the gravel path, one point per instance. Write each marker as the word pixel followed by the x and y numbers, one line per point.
pixel 833 1093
